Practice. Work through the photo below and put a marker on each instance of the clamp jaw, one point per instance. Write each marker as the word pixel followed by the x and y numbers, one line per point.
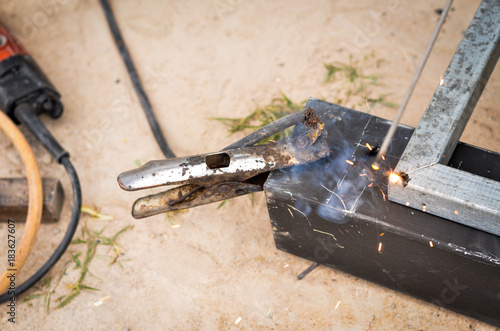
pixel 213 177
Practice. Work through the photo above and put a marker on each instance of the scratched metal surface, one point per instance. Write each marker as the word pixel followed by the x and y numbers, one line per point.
pixel 328 213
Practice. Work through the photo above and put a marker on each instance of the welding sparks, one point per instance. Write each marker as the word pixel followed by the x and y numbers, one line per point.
pixel 337 305
pixel 269 313
pixel 375 167
pixel 456 212
pixel 431 244
pixel 424 208
pixel 394 178
pixel 383 157
pixel 369 147
pixel 101 300
pixel 237 320
pixel 379 247
pixel 441 81
pixel 286 265
pixel 384 196
pixel 349 162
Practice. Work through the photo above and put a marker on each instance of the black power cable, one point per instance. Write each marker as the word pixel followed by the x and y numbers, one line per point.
pixel 27 116
pixel 249 140
pixel 136 81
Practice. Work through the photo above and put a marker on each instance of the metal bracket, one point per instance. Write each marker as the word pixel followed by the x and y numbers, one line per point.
pixel 433 186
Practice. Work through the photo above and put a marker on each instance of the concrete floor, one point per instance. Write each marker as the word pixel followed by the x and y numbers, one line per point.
pixel 199 60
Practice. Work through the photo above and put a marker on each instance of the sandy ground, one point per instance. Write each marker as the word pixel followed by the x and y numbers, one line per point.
pixel 204 59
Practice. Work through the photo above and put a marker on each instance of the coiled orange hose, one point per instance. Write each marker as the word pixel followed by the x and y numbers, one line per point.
pixel 35 205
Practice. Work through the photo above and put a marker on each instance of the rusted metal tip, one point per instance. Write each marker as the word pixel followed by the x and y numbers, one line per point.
pixel 314 129
pixel 311 120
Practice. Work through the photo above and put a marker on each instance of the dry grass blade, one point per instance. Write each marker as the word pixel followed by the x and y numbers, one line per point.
pixel 95 214
pixel 92 240
pixel 261 116
pixel 357 87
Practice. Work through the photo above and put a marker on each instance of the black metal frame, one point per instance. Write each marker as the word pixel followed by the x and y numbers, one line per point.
pixel 327 213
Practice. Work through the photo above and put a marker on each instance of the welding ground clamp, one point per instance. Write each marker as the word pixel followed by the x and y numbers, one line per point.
pixel 208 178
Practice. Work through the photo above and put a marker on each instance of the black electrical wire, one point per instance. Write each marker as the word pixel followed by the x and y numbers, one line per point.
pixel 249 140
pixel 26 115
pixel 136 81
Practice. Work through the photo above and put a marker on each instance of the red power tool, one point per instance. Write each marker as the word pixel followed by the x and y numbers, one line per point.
pixel 23 82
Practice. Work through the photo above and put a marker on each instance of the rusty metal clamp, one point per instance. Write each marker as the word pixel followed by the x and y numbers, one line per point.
pixel 213 177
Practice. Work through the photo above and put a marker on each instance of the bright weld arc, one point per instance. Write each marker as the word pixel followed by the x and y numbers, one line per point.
pixel 394 178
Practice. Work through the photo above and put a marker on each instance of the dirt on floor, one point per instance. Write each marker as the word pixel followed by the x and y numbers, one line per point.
pixel 214 268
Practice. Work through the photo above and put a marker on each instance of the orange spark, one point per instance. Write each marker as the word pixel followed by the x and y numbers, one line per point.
pixel 424 207
pixel 407 203
pixel 379 247
pixel 369 147
pixel 456 212
pixel 337 305
pixel 431 244
pixel 382 234
pixel 350 162
pixel 375 167
pixel 383 157
pixel 441 81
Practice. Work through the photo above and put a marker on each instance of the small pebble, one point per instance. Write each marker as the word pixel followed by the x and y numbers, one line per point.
pixel 56 231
